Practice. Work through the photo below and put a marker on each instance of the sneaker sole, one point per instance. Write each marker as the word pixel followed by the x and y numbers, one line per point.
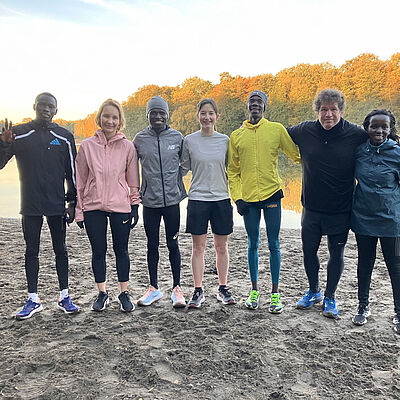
pixel 179 305
pixel 192 305
pixel 279 311
pixel 227 303
pixel 66 311
pixel 140 303
pixel 21 318
pixel 251 307
pixel 123 309
pixel 106 303
pixel 301 307
pixel 357 323
pixel 330 315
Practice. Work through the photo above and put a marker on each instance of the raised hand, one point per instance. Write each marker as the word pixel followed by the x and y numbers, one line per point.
pixel 7 136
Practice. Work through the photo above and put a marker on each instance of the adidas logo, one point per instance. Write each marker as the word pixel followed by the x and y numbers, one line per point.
pixel 55 142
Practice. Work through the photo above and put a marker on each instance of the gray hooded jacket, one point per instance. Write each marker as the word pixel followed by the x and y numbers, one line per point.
pixel 159 156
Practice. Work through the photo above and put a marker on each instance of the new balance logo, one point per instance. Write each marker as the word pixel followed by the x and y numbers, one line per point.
pixel 171 147
pixel 55 142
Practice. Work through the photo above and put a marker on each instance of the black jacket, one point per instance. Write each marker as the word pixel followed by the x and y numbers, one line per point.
pixel 45 154
pixel 328 160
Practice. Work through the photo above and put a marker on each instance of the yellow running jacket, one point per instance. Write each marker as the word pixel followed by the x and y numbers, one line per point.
pixel 253 159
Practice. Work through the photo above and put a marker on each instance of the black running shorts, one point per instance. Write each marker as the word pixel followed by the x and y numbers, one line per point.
pixel 219 213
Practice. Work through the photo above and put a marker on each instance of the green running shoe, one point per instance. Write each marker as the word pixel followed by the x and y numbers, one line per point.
pixel 276 306
pixel 253 300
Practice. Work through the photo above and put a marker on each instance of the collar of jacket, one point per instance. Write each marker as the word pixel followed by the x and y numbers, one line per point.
pixel 387 144
pixel 152 132
pixel 337 128
pixel 102 137
pixel 248 125
pixel 39 124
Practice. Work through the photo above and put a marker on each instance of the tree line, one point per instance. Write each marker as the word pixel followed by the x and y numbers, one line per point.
pixel 366 81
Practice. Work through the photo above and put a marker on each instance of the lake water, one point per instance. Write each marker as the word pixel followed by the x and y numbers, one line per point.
pixel 10 202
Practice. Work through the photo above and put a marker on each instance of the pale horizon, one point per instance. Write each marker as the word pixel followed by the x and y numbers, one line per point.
pixel 85 51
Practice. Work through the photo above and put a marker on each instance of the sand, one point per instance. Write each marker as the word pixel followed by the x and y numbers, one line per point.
pixel 217 352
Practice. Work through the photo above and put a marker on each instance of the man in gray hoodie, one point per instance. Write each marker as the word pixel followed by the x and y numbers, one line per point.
pixel 159 148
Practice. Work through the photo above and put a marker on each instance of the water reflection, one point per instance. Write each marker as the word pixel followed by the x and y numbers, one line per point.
pixel 10 203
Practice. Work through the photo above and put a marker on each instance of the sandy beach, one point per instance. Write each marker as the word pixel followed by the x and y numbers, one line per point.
pixel 217 352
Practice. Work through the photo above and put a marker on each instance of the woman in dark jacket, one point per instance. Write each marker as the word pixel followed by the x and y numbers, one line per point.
pixel 376 208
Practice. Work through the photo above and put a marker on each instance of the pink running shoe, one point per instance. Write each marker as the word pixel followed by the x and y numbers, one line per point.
pixel 177 297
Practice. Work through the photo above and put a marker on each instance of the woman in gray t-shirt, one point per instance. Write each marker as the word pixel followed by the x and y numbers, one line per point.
pixel 205 154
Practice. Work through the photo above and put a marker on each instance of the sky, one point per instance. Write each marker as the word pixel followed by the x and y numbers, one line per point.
pixel 84 51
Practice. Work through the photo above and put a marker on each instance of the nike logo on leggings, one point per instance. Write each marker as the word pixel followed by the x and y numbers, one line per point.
pixel 124 222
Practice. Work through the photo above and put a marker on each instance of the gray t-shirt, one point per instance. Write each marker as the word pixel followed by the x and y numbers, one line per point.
pixel 207 158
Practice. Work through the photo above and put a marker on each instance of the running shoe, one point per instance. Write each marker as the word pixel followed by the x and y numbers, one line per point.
pixel 396 321
pixel 177 297
pixel 29 309
pixel 101 302
pixel 125 302
pixel 67 306
pixel 363 313
pixel 225 296
pixel 253 300
pixel 276 306
pixel 329 309
pixel 309 299
pixel 197 300
pixel 151 295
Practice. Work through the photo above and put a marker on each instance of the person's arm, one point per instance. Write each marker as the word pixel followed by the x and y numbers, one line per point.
pixel 233 170
pixel 133 181
pixel 7 137
pixel 82 173
pixel 295 132
pixel 185 158
pixel 132 176
pixel 70 178
pixel 288 146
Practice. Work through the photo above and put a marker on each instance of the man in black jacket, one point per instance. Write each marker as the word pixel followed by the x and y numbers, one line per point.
pixel 45 155
pixel 327 148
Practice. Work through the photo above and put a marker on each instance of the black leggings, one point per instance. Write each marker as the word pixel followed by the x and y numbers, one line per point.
pixel 311 240
pixel 31 227
pixel 96 228
pixel 366 259
pixel 152 221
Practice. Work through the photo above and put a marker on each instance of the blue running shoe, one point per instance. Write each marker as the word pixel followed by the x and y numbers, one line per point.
pixel 308 300
pixel 67 306
pixel 29 309
pixel 329 308
pixel 151 295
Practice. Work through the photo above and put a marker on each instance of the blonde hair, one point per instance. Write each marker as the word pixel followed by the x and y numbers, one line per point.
pixel 114 103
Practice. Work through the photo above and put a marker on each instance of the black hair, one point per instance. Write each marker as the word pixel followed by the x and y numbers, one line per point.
pixel 393 132
pixel 45 94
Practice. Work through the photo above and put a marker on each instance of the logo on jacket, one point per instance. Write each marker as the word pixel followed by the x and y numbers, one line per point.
pixel 55 142
pixel 171 147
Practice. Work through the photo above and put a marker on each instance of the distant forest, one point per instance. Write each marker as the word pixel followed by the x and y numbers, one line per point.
pixel 366 81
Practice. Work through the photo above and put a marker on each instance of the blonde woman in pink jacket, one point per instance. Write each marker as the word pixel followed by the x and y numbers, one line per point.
pixel 107 182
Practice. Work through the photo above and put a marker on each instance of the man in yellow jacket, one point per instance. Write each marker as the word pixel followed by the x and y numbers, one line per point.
pixel 255 185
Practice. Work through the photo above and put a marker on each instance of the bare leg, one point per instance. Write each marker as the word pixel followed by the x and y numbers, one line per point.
pixel 221 249
pixel 198 248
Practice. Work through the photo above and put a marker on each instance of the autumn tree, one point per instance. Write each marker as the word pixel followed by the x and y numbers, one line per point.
pixel 362 77
pixel 191 91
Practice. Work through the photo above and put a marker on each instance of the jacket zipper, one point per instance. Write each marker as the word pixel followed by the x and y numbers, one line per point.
pixel 161 170
pixel 104 175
